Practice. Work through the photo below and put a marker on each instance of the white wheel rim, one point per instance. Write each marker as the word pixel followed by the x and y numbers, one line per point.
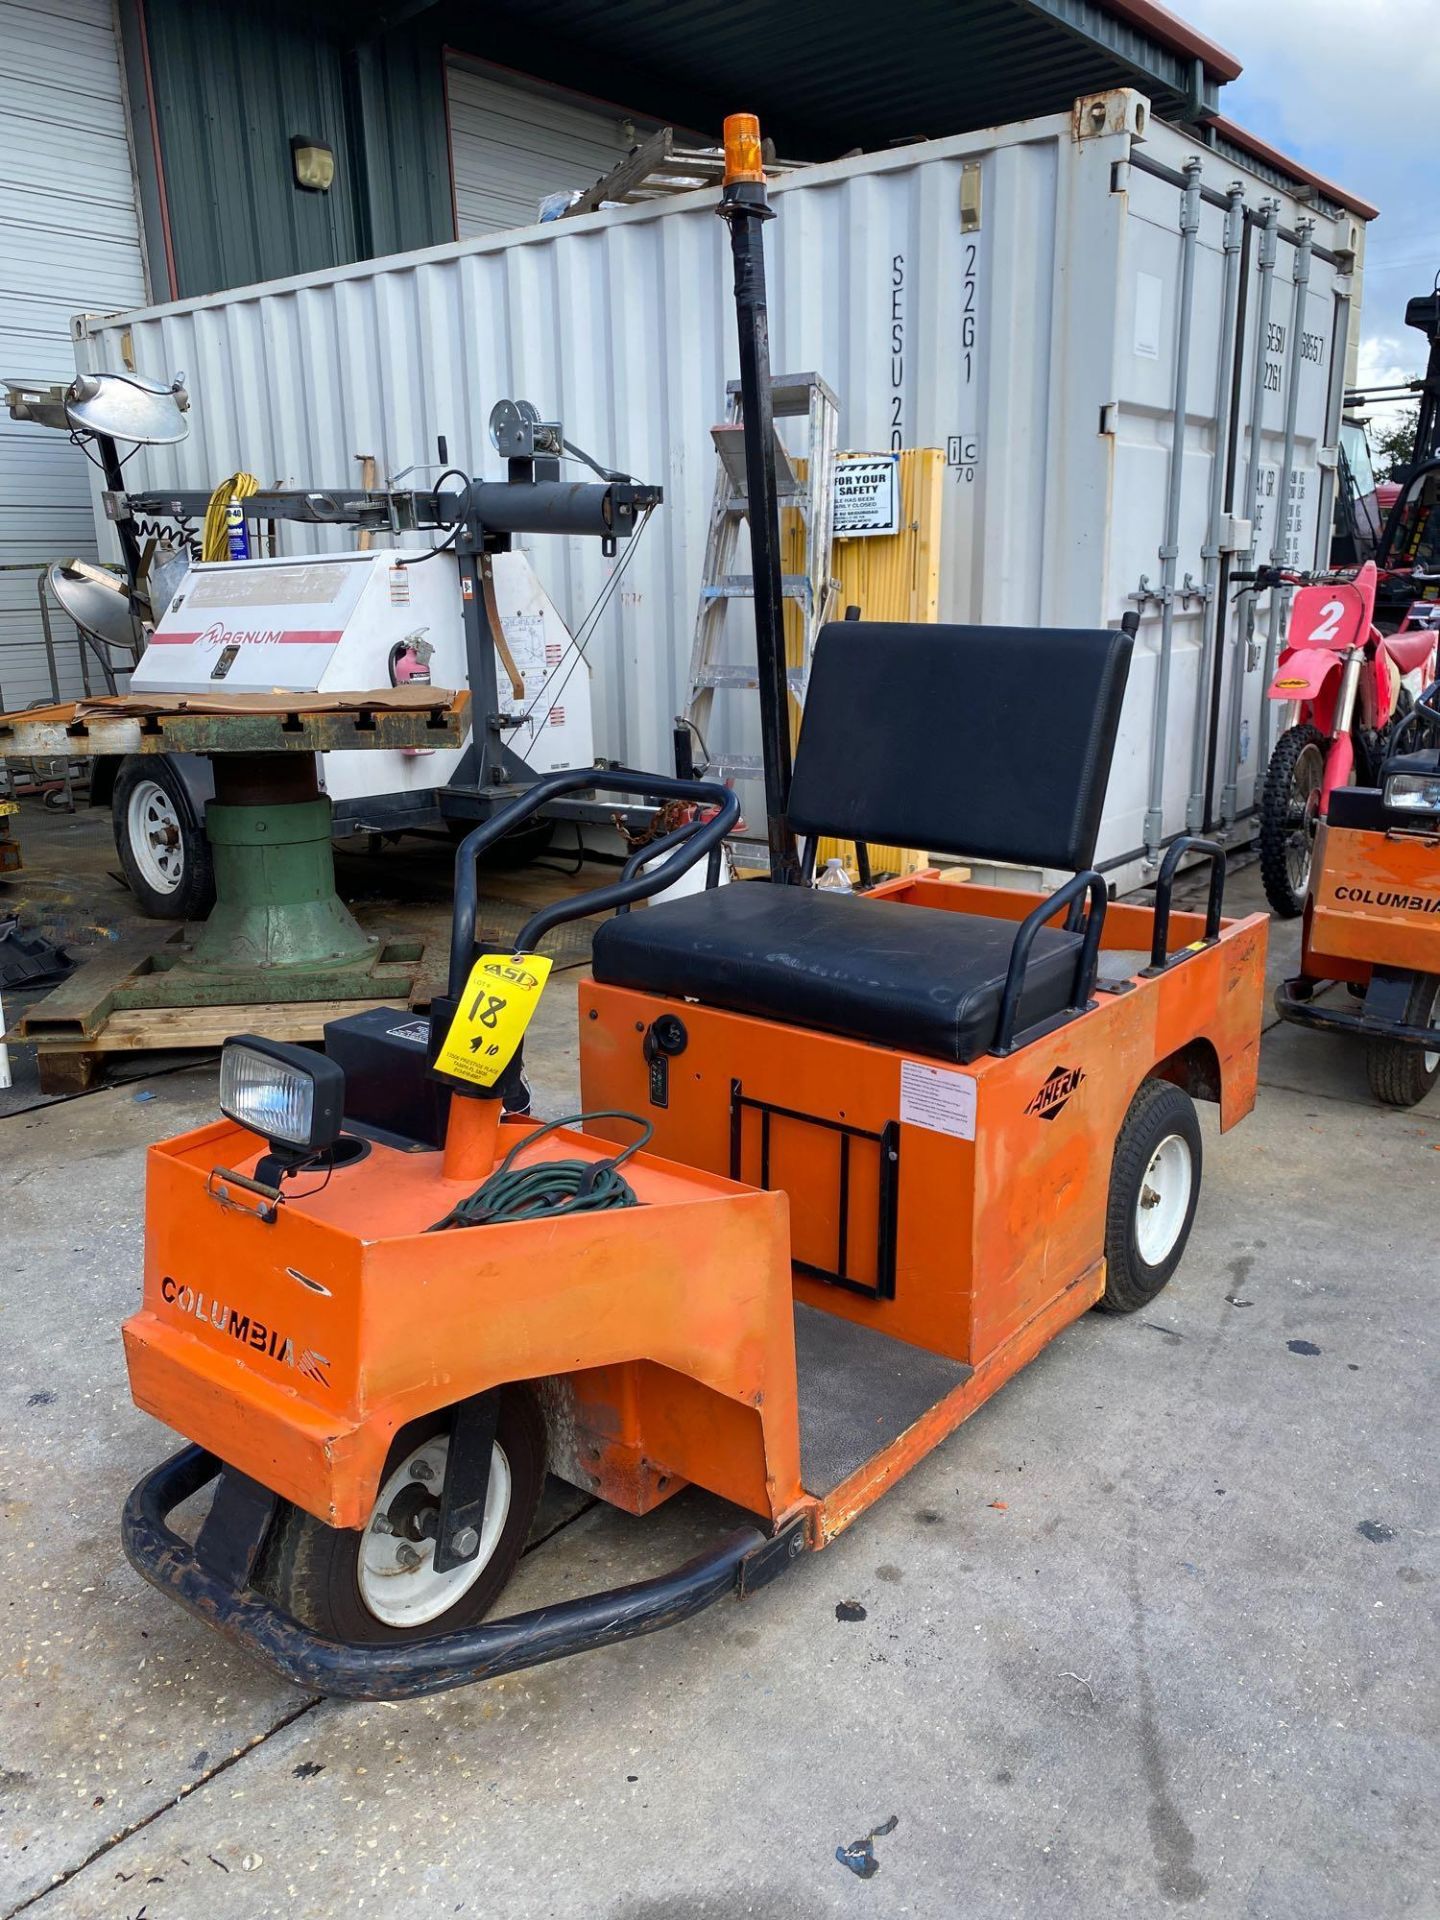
pixel 152 826
pixel 1164 1199
pixel 398 1581
pixel 1432 1060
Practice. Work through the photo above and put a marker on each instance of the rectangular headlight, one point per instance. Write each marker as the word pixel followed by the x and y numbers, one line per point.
pixel 292 1096
pixel 1413 792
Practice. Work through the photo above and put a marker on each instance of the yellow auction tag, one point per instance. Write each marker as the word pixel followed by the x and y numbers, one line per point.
pixel 500 996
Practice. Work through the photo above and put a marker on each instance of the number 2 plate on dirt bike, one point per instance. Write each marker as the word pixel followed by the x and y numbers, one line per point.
pixel 500 996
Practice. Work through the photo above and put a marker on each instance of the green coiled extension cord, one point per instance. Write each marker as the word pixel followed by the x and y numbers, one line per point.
pixel 554 1186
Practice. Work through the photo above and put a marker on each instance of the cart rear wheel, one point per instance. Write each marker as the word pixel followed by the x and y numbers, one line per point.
pixel 1289 815
pixel 380 1583
pixel 1154 1185
pixel 1401 1076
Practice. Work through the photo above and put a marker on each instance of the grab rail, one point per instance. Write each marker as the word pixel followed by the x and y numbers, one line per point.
pixel 1086 965
pixel 1160 955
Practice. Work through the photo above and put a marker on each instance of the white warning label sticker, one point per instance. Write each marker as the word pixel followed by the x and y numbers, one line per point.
pixel 937 1098
pixel 867 494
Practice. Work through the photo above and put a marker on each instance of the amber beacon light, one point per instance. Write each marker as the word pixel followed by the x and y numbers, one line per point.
pixel 743 160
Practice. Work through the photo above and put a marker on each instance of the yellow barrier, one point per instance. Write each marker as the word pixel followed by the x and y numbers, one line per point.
pixel 889 577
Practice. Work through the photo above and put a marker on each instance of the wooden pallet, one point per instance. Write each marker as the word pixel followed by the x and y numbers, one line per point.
pixel 408 716
pixel 76 1068
pixel 85 1021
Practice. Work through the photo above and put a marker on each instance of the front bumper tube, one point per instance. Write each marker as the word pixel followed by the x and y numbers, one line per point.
pixel 738 1564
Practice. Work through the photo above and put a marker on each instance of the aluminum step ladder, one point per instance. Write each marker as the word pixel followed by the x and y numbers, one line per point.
pixel 815 590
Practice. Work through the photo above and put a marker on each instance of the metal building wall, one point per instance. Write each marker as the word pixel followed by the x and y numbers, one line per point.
pixel 232 84
pixel 1011 296
pixel 510 145
pixel 71 239
pixel 400 98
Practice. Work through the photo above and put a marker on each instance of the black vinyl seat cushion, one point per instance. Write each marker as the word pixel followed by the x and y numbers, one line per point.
pixel 918 979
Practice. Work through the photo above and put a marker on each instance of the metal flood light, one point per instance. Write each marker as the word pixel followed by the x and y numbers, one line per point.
pixel 292 1096
pixel 1413 793
pixel 313 163
pixel 126 407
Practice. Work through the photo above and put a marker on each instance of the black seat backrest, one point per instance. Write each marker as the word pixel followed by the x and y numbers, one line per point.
pixel 990 741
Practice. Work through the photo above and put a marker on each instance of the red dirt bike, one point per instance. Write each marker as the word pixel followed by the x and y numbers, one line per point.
pixel 1345 677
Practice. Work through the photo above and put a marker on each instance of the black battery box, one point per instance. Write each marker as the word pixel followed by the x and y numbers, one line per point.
pixel 390 1093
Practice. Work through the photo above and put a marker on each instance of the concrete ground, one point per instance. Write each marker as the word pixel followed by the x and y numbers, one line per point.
pixel 1155 1630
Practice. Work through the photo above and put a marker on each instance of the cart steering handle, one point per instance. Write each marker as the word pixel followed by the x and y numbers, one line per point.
pixel 690 844
pixel 652 850
pixel 1424 708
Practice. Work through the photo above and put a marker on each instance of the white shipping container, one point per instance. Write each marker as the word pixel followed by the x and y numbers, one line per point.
pixel 1014 296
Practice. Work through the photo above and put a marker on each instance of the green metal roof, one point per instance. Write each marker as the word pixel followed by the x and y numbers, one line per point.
pixel 828 75
pixel 232 84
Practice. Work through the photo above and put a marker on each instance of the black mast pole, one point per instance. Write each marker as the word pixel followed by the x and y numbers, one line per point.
pixel 1424 314
pixel 745 208
pixel 113 470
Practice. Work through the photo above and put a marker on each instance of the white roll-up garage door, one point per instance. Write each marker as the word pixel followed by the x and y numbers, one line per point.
pixel 511 144
pixel 72 243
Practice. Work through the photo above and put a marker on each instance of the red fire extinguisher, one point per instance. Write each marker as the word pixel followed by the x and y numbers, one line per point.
pixel 410 666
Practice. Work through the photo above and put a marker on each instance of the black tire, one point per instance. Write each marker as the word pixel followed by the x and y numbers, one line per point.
pixel 312 1571
pixel 1159 1113
pixel 148 784
pixel 1398 1074
pixel 1295 751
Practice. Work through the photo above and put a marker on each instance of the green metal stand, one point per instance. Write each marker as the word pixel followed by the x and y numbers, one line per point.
pixel 279 938
pixel 276 904
pixel 278 930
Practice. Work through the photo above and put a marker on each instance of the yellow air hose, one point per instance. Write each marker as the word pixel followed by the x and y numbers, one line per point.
pixel 216 539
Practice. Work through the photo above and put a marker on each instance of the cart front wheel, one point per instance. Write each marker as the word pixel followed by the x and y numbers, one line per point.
pixel 1154 1185
pixel 1402 1075
pixel 380 1583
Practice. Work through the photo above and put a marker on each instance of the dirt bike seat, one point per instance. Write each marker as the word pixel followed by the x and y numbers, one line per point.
pixel 1409 650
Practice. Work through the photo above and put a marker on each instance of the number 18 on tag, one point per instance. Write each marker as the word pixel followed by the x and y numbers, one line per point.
pixel 500 996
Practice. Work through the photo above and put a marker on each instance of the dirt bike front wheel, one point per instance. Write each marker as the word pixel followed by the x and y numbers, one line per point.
pixel 1289 817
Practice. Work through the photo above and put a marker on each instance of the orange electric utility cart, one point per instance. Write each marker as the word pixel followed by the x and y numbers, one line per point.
pixel 892 1143
pixel 1372 916
pixel 846 1163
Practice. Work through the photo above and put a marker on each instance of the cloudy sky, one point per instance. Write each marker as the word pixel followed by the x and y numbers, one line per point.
pixel 1352 88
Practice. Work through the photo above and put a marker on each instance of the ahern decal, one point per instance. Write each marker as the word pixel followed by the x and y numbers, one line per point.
pixel 1056 1090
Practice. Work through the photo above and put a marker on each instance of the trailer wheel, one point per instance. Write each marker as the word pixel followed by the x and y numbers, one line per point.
pixel 162 846
pixel 1401 1076
pixel 1154 1185
pixel 379 1584
pixel 1289 816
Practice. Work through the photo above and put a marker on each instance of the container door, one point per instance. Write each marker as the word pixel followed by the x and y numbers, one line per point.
pixel 1284 506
